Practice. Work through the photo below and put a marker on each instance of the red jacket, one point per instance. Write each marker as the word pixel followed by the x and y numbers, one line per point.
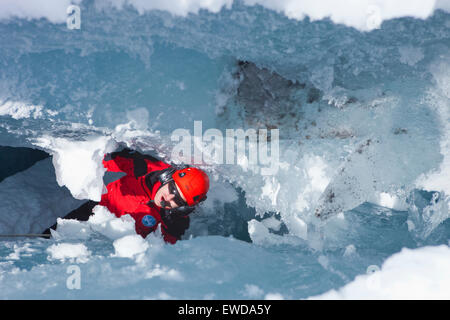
pixel 131 195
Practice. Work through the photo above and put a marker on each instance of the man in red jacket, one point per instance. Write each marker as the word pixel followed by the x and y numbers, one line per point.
pixel 152 192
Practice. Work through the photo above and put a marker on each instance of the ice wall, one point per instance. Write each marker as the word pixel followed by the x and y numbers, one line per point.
pixel 359 14
pixel 360 114
pixel 32 200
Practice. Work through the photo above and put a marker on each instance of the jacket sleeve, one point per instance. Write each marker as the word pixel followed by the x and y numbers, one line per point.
pixel 146 220
pixel 132 162
pixel 118 161
pixel 153 164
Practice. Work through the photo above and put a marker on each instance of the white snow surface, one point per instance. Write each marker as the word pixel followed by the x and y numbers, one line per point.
pixel 219 267
pixel 422 273
pixel 78 164
pixel 73 252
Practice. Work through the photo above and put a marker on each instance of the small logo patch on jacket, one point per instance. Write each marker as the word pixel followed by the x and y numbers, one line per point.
pixel 148 221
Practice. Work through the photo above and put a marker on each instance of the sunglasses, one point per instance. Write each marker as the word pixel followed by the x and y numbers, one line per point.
pixel 177 199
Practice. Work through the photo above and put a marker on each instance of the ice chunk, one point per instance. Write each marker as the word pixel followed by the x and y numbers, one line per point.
pixel 296 226
pixel 78 164
pixel 272 223
pixel 109 225
pixel 131 246
pixel 261 235
pixel 18 110
pixel 77 253
pixel 70 229
pixel 274 296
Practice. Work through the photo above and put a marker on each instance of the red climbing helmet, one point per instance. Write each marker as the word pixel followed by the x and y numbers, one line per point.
pixel 193 184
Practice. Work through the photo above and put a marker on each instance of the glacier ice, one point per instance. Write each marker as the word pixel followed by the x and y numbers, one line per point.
pixel 362 110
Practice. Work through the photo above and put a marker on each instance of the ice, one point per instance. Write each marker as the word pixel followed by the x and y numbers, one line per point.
pixel 19 110
pixel 272 223
pixel 164 273
pixel 109 225
pixel 391 201
pixel 76 253
pixel 70 229
pixel 53 10
pixel 253 291
pixel 427 210
pixel 130 246
pixel 20 251
pixel 274 296
pixel 410 55
pixel 261 235
pixel 78 164
pixel 358 14
pixel 410 274
pixel 438 179
pixel 101 222
pixel 32 200
pixel 363 139
pixel 173 6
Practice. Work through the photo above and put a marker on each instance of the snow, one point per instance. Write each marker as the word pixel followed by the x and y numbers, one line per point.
pixel 253 291
pixel 355 13
pixel 369 136
pixel 107 224
pixel 53 10
pixel 164 273
pixel 130 246
pixel 173 6
pixel 101 222
pixel 261 235
pixel 272 223
pixel 410 55
pixel 422 273
pixel 350 250
pixel 76 253
pixel 363 15
pixel 19 110
pixel 439 179
pixel 20 251
pixel 274 296
pixel 78 164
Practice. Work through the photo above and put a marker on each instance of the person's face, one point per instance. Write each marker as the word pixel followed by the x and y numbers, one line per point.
pixel 164 194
